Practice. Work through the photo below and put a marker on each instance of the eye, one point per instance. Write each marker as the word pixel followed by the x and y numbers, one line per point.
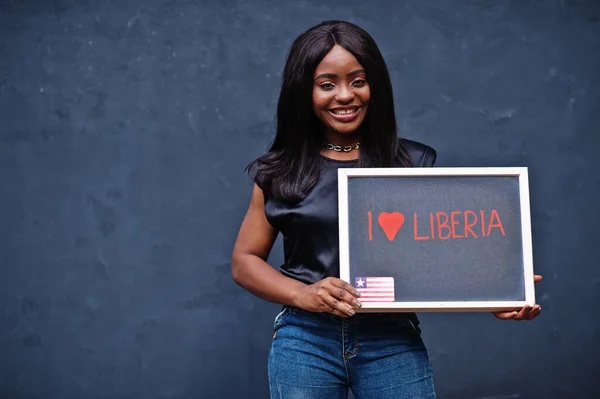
pixel 326 86
pixel 359 82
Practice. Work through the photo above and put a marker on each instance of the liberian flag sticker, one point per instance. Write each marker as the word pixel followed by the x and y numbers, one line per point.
pixel 375 289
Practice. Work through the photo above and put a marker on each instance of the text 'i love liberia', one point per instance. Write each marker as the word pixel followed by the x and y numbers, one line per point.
pixel 441 225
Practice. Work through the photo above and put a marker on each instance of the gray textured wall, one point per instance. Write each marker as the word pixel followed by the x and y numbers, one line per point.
pixel 124 130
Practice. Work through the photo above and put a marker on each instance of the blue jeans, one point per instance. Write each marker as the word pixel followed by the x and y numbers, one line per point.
pixel 377 356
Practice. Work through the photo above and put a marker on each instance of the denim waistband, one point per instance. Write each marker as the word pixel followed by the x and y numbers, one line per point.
pixel 410 317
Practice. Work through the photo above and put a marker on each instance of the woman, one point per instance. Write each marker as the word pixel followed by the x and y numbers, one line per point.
pixel 335 109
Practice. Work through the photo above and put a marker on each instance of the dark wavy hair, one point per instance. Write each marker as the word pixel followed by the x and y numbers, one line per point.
pixel 290 168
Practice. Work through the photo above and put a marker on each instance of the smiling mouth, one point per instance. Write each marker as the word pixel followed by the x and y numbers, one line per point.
pixel 344 112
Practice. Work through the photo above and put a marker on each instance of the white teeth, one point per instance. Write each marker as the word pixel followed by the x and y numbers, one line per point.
pixel 344 111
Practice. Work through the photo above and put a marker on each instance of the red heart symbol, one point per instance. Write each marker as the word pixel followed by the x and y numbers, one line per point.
pixel 390 223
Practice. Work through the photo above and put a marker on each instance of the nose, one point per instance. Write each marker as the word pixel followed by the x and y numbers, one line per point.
pixel 344 94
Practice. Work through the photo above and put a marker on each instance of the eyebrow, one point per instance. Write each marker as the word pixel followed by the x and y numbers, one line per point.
pixel 333 75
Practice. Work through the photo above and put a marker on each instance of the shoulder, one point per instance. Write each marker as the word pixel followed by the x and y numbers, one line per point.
pixel 421 154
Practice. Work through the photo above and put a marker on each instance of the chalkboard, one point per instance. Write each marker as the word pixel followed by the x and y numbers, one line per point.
pixel 436 239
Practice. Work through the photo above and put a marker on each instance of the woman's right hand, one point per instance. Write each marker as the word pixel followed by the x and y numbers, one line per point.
pixel 330 295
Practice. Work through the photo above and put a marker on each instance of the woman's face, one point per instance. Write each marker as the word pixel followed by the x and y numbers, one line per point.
pixel 340 93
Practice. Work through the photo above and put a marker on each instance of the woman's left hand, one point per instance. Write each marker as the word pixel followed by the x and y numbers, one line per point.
pixel 526 313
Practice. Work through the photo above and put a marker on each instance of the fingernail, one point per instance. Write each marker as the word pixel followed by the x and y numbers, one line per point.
pixel 351 312
pixel 357 294
pixel 357 304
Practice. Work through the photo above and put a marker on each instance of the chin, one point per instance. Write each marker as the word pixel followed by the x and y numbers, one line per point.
pixel 344 129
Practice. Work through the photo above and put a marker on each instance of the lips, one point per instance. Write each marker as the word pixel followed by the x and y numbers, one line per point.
pixel 345 114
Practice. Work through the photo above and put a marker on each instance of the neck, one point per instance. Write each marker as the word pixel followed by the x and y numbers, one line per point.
pixel 341 146
pixel 342 139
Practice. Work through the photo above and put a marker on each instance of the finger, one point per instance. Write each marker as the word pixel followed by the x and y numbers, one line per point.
pixel 341 307
pixel 328 303
pixel 535 312
pixel 345 292
pixel 506 315
pixel 347 298
pixel 337 313
pixel 338 283
pixel 537 278
pixel 524 313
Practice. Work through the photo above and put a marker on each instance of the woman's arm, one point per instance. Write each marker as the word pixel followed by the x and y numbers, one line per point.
pixel 249 265
pixel 251 271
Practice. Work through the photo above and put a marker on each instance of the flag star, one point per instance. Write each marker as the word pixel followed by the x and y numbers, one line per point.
pixel 360 282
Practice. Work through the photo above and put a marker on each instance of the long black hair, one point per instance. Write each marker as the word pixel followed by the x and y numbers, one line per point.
pixel 290 168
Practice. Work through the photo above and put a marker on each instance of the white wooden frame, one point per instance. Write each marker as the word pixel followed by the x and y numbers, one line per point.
pixel 344 174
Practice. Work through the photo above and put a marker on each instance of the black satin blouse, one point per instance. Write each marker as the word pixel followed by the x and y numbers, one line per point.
pixel 310 227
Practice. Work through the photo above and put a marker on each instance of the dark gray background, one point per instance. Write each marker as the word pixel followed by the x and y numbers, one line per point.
pixel 124 130
pixel 486 268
